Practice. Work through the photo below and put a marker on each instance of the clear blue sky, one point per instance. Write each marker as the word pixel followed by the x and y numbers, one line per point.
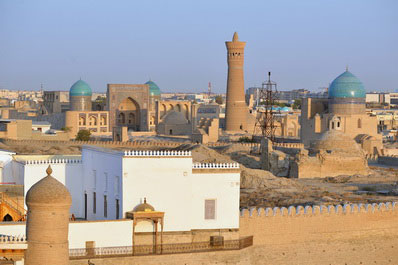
pixel 180 44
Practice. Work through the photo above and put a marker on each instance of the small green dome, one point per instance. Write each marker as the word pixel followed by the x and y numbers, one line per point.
pixel 154 90
pixel 80 88
pixel 347 85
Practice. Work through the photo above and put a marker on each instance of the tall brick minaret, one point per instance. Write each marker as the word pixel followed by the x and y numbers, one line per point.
pixel 236 110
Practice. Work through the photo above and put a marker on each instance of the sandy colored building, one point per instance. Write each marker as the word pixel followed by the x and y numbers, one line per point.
pixel 287 125
pixel 55 102
pixel 97 122
pixel 128 105
pixel 173 117
pixel 236 116
pixel 26 130
pixel 343 110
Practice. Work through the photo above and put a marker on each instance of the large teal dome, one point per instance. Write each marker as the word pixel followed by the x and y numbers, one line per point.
pixel 80 88
pixel 154 90
pixel 347 85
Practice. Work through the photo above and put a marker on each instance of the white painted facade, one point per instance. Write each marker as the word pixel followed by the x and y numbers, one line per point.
pixel 169 181
pixel 6 168
pixel 113 233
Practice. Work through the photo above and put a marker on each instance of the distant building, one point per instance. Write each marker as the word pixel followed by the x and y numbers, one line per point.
pixel 55 102
pixel 344 111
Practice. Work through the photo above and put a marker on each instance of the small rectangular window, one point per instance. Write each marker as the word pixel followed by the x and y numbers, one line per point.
pixel 94 202
pixel 116 187
pixel 106 181
pixel 105 206
pixel 117 209
pixel 210 209
pixel 95 178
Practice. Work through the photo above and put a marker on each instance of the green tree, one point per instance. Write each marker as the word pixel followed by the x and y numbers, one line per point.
pixel 83 135
pixel 66 129
pixel 219 100
pixel 297 104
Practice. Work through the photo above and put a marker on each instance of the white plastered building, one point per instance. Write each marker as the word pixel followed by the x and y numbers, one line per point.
pixel 105 184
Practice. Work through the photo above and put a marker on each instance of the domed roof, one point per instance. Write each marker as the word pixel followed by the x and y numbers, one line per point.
pixel 154 90
pixel 175 117
pixel 347 85
pixel 334 140
pixel 48 191
pixel 144 207
pixel 80 88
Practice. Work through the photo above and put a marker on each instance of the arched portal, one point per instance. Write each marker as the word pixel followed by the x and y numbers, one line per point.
pixel 128 114
pixel 7 218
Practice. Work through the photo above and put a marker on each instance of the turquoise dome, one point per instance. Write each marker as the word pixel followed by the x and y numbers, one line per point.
pixel 80 88
pixel 154 90
pixel 347 85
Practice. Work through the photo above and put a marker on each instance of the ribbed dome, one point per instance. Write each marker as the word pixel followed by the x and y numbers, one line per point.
pixel 175 117
pixel 347 85
pixel 48 191
pixel 337 141
pixel 144 207
pixel 154 90
pixel 80 88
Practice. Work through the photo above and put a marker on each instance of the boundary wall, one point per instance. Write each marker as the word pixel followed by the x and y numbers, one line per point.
pixel 388 160
pixel 319 223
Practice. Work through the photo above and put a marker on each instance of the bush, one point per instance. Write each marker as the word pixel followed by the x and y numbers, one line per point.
pixel 245 139
pixel 219 100
pixel 83 135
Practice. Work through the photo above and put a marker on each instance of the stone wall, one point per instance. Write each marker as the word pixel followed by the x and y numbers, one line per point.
pixel 388 160
pixel 319 235
pixel 98 143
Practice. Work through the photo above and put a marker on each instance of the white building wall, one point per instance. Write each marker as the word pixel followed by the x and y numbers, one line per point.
pixel 102 171
pixel 69 174
pixel 104 233
pixel 166 183
pixel 225 189
pixel 6 172
pixel 12 229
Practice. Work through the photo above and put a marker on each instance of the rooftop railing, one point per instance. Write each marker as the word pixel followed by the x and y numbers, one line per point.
pixel 157 153
pixel 194 247
pixel 215 165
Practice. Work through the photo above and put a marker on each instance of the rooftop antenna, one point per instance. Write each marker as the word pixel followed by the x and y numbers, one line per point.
pixel 266 111
pixel 209 89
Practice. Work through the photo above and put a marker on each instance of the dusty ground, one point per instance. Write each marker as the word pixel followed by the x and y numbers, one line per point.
pixel 262 189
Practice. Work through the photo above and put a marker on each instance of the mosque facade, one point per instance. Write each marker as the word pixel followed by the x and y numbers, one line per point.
pixel 344 110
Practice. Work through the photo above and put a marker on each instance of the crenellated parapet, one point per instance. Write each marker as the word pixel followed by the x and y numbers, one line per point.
pixel 52 161
pixel 215 166
pixel 316 210
pixel 155 153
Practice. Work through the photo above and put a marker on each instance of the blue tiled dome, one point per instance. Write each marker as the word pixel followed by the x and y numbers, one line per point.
pixel 80 88
pixel 154 90
pixel 347 85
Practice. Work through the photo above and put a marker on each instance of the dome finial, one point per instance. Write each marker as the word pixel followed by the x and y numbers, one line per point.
pixel 144 199
pixel 346 68
pixel 235 37
pixel 49 171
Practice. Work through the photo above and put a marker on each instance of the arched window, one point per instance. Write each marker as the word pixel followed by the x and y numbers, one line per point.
pixel 122 118
pixel 82 121
pixel 93 121
pixel 131 118
pixel 103 120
